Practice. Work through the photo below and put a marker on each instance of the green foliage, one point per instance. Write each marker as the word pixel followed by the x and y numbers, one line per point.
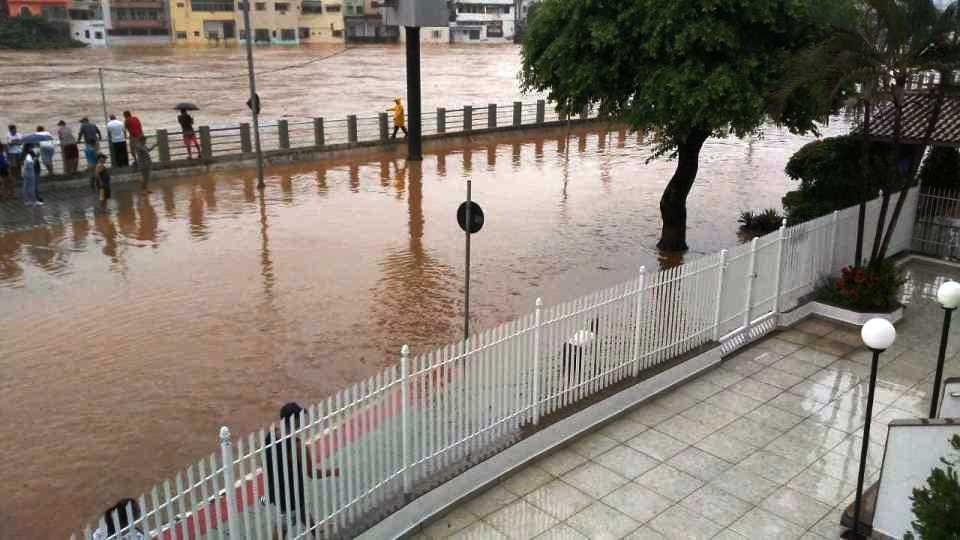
pixel 34 33
pixel 941 169
pixel 836 173
pixel 668 67
pixel 760 222
pixel 874 289
pixel 937 505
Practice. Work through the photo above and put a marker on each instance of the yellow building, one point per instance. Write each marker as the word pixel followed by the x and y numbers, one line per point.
pixel 282 22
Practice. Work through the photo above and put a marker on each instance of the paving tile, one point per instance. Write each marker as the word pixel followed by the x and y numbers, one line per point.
pixel 709 415
pixel 559 499
pixel 816 357
pixel 594 480
pixel 773 417
pixel 675 402
pixel 832 347
pixel 849 336
pixel 758 523
pixel 623 429
pixel 599 521
pixel 821 487
pixel 797 405
pixel 698 463
pixel 793 365
pixel 670 482
pixel 777 377
pixel 645 533
pixel 649 414
pixel 734 402
pixel 729 534
pixel 750 432
pixel 592 445
pixel 794 336
pixel 449 523
pixel 778 346
pixel 795 507
pixel 816 391
pixel 699 389
pixel 680 523
pixel 837 417
pixel 684 429
pixel 799 450
pixel 626 461
pixel 560 461
pixel 723 377
pixel 724 447
pixel 656 445
pixel 816 327
pixel 742 365
pixel 812 431
pixel 853 445
pixel 829 526
pixel 638 502
pixel 478 531
pixel 745 485
pixel 839 379
pixel 490 501
pixel 527 480
pixel 716 505
pixel 771 466
pixel 521 519
pixel 755 389
pixel 562 532
pixel 851 368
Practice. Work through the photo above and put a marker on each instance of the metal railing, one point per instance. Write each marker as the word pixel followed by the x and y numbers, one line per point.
pixel 937 228
pixel 372 446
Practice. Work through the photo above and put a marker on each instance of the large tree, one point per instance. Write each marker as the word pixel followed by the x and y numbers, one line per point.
pixel 682 70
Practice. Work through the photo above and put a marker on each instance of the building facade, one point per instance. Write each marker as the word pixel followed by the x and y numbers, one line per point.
pixel 483 21
pixel 363 23
pixel 434 35
pixel 281 22
pixel 136 22
pixel 86 23
pixel 53 10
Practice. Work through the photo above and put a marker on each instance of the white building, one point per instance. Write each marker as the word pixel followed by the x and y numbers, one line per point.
pixel 484 21
pixel 430 35
pixel 86 23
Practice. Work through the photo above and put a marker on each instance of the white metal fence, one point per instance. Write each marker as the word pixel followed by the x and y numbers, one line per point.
pixel 937 228
pixel 371 447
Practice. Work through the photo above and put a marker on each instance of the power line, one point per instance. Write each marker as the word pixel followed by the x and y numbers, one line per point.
pixel 41 79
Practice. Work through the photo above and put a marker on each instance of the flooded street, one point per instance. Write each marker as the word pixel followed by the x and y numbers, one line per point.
pixel 130 336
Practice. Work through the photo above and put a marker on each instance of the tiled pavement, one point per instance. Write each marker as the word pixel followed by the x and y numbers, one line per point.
pixel 766 446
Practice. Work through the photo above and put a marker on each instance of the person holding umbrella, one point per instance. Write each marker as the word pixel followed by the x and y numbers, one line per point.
pixel 186 127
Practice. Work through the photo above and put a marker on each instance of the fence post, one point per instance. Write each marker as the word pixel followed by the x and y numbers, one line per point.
pixel 441 120
pixel 352 128
pixel 492 116
pixel 517 114
pixel 384 122
pixel 722 270
pixel 206 146
pixel 541 112
pixel 468 118
pixel 163 145
pixel 226 454
pixel 751 276
pixel 245 146
pixel 283 134
pixel 641 289
pixel 404 422
pixel 779 277
pixel 834 222
pixel 535 392
pixel 318 137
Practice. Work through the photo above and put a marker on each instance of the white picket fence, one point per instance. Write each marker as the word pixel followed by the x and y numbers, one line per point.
pixel 382 441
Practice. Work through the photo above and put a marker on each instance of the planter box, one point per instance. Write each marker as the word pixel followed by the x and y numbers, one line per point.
pixel 854 317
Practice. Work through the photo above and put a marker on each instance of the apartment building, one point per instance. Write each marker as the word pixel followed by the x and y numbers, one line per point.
pixel 363 23
pixel 86 23
pixel 483 21
pixel 54 10
pixel 136 22
pixel 279 22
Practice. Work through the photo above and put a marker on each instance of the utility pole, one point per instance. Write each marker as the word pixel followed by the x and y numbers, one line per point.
pixel 103 96
pixel 414 138
pixel 254 100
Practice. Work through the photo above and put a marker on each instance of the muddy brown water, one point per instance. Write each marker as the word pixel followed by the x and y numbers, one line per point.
pixel 128 337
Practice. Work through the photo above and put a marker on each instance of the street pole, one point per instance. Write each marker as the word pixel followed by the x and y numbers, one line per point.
pixel 856 532
pixel 414 143
pixel 103 96
pixel 941 357
pixel 254 102
pixel 466 288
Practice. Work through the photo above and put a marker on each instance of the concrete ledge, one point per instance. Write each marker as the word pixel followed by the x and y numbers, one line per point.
pixel 410 517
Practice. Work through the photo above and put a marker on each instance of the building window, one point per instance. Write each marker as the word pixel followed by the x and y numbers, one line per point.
pixel 196 34
pixel 98 35
pixel 25 11
pixel 86 34
pixel 180 4
pixel 474 34
pixel 261 35
pixel 282 7
pixel 207 5
pixel 288 34
pixel 495 29
pixel 181 35
pixel 260 6
pixel 54 12
pixel 337 33
pixel 436 34
pixel 333 8
pixel 304 33
pixel 310 6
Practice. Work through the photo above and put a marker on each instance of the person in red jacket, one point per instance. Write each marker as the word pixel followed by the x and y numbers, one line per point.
pixel 134 132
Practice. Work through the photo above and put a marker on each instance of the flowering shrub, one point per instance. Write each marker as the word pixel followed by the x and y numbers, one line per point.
pixel 874 288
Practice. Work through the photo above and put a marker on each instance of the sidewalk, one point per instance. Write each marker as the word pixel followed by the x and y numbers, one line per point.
pixel 766 446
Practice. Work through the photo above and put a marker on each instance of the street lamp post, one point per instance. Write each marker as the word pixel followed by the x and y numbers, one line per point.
pixel 254 100
pixel 878 335
pixel 949 297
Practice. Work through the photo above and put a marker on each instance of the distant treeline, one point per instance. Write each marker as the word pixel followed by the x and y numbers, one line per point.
pixel 35 33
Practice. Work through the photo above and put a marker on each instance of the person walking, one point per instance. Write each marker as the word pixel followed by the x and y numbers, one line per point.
pixel 28 171
pixel 135 131
pixel 47 149
pixel 101 179
pixel 14 150
pixel 91 137
pixel 189 135
pixel 117 136
pixel 399 120
pixel 145 164
pixel 68 148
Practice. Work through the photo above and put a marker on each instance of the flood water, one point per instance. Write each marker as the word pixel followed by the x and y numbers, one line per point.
pixel 128 337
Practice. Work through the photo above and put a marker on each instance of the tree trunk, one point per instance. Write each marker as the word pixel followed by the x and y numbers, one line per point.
pixel 861 216
pixel 673 203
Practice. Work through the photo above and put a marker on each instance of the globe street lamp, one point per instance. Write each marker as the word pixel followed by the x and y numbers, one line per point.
pixel 949 297
pixel 878 335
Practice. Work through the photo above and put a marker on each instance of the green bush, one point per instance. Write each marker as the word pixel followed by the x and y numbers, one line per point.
pixel 35 33
pixel 875 288
pixel 834 174
pixel 760 222
pixel 941 169
pixel 937 505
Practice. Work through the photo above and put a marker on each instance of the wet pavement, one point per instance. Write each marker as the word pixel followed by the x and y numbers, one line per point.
pixel 765 446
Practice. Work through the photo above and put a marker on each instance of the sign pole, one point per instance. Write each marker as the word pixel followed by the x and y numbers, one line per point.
pixel 254 100
pixel 103 96
pixel 466 288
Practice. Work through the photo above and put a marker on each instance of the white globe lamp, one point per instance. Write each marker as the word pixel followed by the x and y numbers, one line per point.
pixel 878 334
pixel 949 295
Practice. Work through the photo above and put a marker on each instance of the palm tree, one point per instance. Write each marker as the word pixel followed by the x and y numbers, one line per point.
pixel 874 51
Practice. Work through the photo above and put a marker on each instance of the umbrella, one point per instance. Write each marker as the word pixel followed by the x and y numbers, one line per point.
pixel 186 105
pixel 34 138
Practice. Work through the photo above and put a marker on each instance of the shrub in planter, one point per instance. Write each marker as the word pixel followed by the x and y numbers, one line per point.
pixel 937 505
pixel 872 289
pixel 761 221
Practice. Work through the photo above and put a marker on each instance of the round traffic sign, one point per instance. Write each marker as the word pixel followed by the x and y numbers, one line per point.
pixel 476 217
